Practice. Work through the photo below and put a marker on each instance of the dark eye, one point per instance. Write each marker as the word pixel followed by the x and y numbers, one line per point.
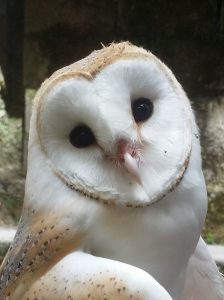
pixel 142 109
pixel 81 136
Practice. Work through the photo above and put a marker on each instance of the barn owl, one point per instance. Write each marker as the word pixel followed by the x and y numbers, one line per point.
pixel 115 198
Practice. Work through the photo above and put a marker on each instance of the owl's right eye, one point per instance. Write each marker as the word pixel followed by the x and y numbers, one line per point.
pixel 81 136
pixel 142 109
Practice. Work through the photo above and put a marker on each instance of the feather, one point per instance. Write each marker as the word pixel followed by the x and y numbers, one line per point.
pixel 203 280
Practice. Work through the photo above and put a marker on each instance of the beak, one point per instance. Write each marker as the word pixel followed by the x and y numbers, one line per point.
pixel 35 249
pixel 132 166
pixel 128 158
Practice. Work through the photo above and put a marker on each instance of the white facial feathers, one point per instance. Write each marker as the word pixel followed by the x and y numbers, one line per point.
pixel 103 103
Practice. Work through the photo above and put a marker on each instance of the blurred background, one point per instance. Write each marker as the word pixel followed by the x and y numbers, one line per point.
pixel 37 37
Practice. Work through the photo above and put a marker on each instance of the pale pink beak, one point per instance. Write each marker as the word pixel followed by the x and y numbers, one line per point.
pixel 128 157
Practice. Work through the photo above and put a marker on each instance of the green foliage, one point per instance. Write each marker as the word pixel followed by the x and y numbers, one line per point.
pixel 209 238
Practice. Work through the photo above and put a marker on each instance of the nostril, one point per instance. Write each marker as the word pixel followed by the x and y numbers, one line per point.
pixel 124 147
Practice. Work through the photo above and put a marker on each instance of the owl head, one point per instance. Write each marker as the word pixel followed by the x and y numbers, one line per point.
pixel 115 126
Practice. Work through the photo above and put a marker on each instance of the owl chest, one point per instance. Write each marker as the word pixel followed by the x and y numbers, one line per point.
pixel 143 237
pixel 159 241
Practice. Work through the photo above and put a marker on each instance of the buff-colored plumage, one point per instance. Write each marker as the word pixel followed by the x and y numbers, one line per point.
pixel 121 218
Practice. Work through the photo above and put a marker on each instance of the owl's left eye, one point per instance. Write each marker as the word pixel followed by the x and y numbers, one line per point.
pixel 142 109
pixel 81 136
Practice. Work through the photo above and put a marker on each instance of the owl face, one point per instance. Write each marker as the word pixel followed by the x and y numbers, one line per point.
pixel 115 126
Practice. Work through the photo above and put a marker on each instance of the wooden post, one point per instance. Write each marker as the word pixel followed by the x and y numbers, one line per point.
pixel 14 73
